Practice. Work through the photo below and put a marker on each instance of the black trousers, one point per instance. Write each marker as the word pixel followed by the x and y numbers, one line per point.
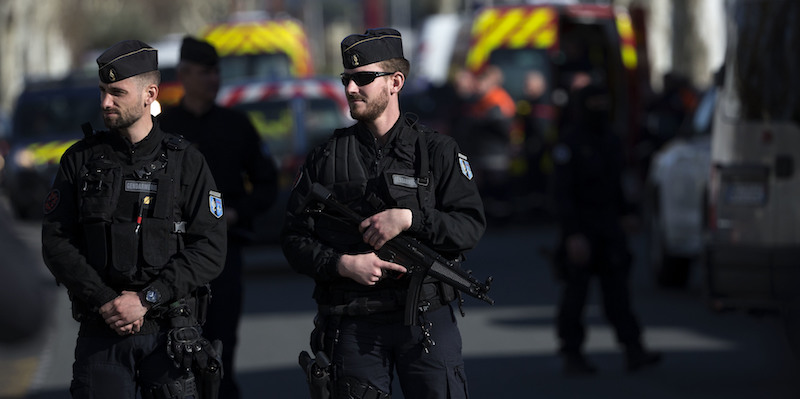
pixel 116 367
pixel 370 349
pixel 610 265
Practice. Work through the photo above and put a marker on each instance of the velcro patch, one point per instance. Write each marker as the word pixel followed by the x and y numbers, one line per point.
pixel 51 201
pixel 405 181
pixel 135 186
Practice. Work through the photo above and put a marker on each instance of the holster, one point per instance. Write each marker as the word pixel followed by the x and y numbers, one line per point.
pixel 317 373
pixel 188 349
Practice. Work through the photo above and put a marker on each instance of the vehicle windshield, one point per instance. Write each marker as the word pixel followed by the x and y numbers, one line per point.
pixel 56 112
pixel 763 63
pixel 262 66
pixel 516 64
pixel 288 135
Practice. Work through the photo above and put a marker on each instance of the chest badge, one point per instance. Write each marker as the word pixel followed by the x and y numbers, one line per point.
pixel 466 170
pixel 215 203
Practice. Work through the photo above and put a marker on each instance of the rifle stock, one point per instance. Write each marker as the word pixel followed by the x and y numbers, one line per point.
pixel 417 258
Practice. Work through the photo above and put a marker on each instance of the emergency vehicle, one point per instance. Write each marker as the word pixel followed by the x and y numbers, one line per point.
pixel 754 184
pixel 46 120
pixel 253 46
pixel 558 40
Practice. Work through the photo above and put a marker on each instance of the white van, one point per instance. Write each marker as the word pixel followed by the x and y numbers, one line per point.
pixel 753 247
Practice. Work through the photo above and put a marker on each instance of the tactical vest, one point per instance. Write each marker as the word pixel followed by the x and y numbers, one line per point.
pixel 351 184
pixel 110 191
pixel 396 186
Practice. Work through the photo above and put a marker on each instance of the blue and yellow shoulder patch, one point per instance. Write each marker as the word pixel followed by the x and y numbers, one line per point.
pixel 215 203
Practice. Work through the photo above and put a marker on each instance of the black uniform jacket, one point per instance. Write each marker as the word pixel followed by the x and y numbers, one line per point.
pixel 199 258
pixel 451 224
pixel 588 185
pixel 231 146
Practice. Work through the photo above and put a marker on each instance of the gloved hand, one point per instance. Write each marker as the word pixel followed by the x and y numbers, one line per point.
pixel 188 349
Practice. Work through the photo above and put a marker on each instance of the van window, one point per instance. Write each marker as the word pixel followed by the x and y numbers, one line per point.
pixel 516 63
pixel 765 67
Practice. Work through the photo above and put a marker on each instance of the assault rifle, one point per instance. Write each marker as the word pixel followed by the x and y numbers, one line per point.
pixel 418 259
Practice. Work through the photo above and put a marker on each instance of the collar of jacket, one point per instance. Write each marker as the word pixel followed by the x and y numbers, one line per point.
pixel 142 150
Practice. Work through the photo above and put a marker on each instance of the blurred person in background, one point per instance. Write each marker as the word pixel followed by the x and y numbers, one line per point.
pixel 536 115
pixel 594 218
pixel 133 228
pixel 245 176
pixel 484 131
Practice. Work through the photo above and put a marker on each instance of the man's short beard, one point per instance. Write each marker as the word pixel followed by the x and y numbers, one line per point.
pixel 123 122
pixel 374 108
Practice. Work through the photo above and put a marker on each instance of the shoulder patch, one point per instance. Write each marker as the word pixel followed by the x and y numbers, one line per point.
pixel 466 170
pixel 51 201
pixel 215 203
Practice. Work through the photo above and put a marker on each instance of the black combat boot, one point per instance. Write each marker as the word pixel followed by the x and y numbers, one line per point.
pixel 575 364
pixel 636 358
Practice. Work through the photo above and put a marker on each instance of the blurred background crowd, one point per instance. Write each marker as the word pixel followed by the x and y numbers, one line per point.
pixel 475 75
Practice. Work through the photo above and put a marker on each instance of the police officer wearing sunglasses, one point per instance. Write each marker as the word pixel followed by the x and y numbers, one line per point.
pixel 403 178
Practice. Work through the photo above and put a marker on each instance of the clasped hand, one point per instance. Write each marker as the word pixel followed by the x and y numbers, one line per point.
pixel 125 313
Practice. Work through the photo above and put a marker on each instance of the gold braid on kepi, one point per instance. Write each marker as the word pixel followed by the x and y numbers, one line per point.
pixel 373 46
pixel 125 59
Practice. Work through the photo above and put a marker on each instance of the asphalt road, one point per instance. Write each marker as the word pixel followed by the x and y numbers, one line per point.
pixel 509 347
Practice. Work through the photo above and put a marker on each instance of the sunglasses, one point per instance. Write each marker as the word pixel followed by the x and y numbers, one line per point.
pixel 362 78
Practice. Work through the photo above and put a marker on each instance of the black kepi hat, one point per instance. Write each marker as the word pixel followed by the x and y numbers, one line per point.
pixel 125 59
pixel 198 51
pixel 373 46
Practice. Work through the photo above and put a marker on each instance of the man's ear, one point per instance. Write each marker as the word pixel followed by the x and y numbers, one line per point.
pixel 150 94
pixel 398 80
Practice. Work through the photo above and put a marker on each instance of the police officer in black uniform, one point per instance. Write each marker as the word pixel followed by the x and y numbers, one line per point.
pixel 134 229
pixel 245 176
pixel 591 207
pixel 379 168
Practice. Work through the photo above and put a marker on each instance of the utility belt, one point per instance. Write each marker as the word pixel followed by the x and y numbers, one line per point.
pixel 434 295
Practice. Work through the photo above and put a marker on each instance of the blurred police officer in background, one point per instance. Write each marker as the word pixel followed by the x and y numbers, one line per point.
pixel 245 176
pixel 379 168
pixel 593 214
pixel 133 228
